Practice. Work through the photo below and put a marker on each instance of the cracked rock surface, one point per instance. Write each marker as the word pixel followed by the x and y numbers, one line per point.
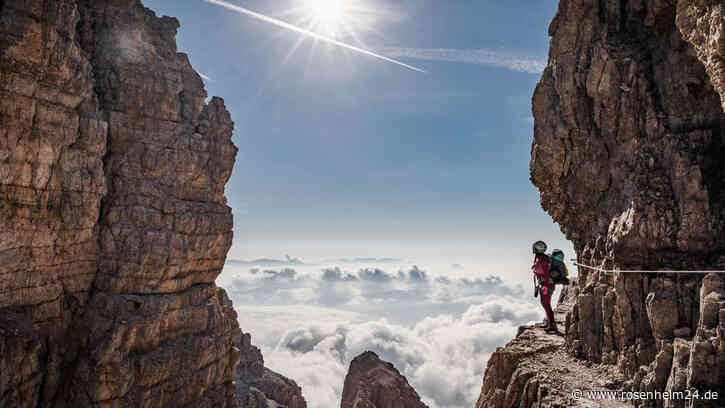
pixel 629 141
pixel 534 370
pixel 113 220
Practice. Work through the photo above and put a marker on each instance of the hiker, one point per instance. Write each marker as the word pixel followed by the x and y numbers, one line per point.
pixel 545 286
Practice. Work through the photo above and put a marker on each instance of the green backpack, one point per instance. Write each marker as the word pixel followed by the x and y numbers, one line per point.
pixel 557 268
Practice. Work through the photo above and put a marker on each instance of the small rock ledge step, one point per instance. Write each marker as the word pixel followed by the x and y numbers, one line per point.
pixel 534 370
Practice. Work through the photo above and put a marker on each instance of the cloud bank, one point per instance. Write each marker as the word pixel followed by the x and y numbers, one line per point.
pixel 267 261
pixel 482 56
pixel 443 357
pixel 438 330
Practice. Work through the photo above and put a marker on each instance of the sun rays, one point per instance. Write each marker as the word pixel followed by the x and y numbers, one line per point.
pixel 328 15
pixel 326 20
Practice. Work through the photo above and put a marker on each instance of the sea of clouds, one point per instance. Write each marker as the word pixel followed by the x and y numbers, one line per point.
pixel 438 326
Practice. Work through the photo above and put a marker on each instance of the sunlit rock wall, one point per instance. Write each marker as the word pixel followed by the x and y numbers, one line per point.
pixel 628 155
pixel 113 221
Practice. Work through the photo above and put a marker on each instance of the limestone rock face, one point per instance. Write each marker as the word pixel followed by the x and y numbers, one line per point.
pixel 534 371
pixel 113 221
pixel 372 383
pixel 702 23
pixel 628 137
pixel 258 386
pixel 629 141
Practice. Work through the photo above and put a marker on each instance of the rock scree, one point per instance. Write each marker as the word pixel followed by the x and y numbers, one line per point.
pixel 113 220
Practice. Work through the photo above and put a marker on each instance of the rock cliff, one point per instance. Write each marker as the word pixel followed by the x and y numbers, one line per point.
pixel 113 220
pixel 534 370
pixel 373 383
pixel 628 157
pixel 260 387
pixel 702 23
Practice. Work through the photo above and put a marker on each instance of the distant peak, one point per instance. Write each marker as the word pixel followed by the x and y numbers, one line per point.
pixel 375 383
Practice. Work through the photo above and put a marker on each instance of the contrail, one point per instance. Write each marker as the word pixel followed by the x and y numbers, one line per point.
pixel 308 33
pixel 510 59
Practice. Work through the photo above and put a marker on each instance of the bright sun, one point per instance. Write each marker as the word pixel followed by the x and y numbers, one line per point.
pixel 326 10
pixel 326 15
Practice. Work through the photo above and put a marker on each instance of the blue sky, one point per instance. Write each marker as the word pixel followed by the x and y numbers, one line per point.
pixel 340 152
pixel 343 156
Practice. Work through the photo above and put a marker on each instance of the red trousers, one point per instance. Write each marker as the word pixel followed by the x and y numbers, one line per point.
pixel 546 303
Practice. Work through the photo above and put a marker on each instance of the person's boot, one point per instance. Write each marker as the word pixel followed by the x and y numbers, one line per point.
pixel 551 328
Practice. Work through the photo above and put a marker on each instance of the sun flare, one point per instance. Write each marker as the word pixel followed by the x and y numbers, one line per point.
pixel 309 29
pixel 326 10
pixel 326 15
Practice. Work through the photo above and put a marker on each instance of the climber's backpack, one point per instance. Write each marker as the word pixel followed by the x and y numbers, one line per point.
pixel 557 268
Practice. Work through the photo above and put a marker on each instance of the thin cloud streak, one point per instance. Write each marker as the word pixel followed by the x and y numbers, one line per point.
pixel 308 33
pixel 481 56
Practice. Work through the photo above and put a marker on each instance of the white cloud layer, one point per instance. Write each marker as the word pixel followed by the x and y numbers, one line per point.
pixel 439 331
pixel 482 56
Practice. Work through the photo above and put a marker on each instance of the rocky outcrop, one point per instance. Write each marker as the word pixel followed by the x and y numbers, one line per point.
pixel 113 221
pixel 260 387
pixel 372 383
pixel 702 23
pixel 534 370
pixel 629 140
